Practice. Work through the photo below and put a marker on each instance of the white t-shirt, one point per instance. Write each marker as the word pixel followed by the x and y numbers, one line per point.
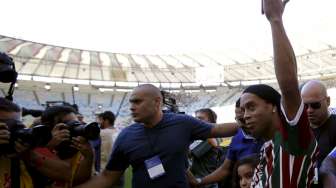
pixel 108 136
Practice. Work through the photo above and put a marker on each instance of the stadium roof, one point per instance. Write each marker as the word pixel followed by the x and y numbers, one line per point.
pixel 235 47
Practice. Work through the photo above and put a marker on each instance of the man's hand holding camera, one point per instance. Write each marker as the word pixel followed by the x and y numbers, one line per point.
pixel 60 133
pixel 19 146
pixel 4 134
pixel 83 146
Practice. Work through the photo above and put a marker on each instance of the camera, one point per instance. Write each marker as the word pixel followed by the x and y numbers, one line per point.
pixel 89 131
pixel 169 103
pixel 8 73
pixel 35 136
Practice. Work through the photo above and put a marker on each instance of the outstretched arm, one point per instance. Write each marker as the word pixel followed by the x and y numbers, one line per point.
pixel 216 176
pixel 105 180
pixel 284 58
pixel 224 130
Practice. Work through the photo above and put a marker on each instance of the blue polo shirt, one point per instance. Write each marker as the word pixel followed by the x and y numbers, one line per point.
pixel 242 146
pixel 169 140
pixel 332 154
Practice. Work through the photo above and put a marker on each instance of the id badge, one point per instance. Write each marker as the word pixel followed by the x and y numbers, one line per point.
pixel 154 167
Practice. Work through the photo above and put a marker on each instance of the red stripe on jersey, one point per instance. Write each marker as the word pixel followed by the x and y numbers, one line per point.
pixel 285 168
pixel 269 159
pixel 296 171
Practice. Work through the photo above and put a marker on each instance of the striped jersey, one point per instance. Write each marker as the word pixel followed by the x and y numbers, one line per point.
pixel 289 159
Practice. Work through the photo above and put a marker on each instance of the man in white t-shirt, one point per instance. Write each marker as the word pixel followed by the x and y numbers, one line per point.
pixel 108 134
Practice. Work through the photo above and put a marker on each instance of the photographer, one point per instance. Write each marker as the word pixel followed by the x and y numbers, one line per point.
pixel 205 155
pixel 13 172
pixel 64 161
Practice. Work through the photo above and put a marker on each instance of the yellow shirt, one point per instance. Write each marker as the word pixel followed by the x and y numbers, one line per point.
pixel 5 174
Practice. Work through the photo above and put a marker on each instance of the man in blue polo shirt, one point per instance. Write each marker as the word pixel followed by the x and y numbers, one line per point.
pixel 156 144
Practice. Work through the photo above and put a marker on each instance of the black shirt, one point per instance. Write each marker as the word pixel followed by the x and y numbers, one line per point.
pixel 326 137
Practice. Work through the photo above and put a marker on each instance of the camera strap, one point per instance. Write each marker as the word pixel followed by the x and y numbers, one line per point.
pixel 10 92
pixel 15 173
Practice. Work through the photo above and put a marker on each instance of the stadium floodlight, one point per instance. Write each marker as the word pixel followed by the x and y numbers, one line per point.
pixel 194 84
pixel 101 90
pixel 223 84
pixel 47 87
pixel 192 90
pixel 127 84
pixel 235 83
pixel 210 90
pixel 165 85
pixel 24 77
pixel 157 84
pixel 75 88
pixel 174 91
pixel 106 89
pixel 76 81
pixel 124 90
pixel 206 84
pixel 102 83
pixel 250 82
pixel 310 77
pixel 175 85
pixel 47 79
pixel 268 81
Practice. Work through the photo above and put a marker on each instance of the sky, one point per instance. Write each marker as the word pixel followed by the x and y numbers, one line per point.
pixel 166 26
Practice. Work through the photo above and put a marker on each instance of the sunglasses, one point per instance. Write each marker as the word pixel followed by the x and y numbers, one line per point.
pixel 314 105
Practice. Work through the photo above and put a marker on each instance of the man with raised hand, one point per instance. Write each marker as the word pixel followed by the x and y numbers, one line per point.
pixel 290 150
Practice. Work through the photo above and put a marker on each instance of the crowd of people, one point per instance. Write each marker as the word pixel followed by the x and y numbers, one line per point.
pixel 280 139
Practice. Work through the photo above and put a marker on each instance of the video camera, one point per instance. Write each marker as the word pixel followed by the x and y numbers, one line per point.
pixel 8 73
pixel 169 103
pixel 35 136
pixel 89 131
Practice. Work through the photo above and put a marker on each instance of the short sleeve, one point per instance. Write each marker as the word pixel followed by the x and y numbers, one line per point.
pixel 296 119
pixel 296 134
pixel 231 154
pixel 200 130
pixel 118 160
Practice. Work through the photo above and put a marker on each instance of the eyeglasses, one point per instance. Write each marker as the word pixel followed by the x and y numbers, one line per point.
pixel 314 105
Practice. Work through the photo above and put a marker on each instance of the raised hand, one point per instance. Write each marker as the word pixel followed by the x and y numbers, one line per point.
pixel 273 9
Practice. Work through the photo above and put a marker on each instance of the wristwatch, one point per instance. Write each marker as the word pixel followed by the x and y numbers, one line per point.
pixel 199 180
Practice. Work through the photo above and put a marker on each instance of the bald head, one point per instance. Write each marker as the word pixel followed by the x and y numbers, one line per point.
pixel 314 88
pixel 315 98
pixel 146 104
pixel 149 90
